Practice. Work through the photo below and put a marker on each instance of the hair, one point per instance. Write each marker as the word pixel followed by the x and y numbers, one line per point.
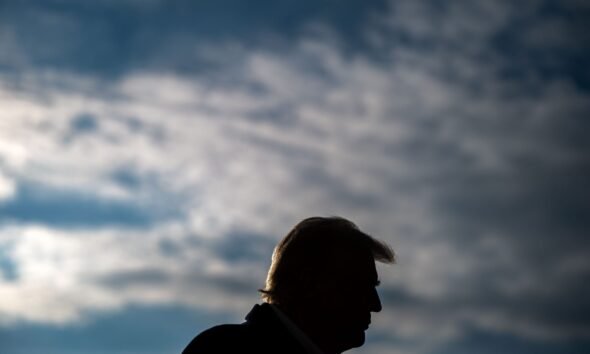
pixel 311 250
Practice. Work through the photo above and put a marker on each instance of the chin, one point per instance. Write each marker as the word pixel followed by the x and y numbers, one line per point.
pixel 356 339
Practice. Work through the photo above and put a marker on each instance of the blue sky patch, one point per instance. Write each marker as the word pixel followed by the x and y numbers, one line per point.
pixel 8 268
pixel 136 329
pixel 65 208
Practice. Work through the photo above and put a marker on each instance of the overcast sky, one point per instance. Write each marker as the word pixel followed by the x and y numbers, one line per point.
pixel 153 152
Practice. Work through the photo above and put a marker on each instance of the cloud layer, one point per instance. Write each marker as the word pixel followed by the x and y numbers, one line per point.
pixel 457 136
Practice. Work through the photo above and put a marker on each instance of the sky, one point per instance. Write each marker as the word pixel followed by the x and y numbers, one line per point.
pixel 153 152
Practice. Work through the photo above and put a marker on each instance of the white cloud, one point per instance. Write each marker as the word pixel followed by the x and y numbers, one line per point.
pixel 64 275
pixel 7 187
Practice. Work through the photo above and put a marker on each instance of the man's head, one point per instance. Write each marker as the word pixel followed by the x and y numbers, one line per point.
pixel 323 273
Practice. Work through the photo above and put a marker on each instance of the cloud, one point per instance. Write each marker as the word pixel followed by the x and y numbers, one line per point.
pixel 62 276
pixel 471 168
pixel 7 187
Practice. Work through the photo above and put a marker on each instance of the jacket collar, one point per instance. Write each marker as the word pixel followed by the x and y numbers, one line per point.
pixel 278 331
pixel 296 332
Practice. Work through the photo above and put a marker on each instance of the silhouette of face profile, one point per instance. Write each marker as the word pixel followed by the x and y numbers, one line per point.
pixel 346 301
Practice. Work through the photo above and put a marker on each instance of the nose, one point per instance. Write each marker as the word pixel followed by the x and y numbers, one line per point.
pixel 375 302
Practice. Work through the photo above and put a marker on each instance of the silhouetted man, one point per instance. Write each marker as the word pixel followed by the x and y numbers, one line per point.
pixel 319 295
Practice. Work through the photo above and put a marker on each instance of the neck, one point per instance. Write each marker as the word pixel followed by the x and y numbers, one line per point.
pixel 308 323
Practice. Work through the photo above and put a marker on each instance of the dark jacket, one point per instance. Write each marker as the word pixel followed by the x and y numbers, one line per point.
pixel 262 333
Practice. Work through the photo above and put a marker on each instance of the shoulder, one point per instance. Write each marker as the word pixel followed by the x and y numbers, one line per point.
pixel 262 333
pixel 222 338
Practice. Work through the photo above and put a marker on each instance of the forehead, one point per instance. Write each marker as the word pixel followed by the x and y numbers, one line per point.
pixel 359 268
